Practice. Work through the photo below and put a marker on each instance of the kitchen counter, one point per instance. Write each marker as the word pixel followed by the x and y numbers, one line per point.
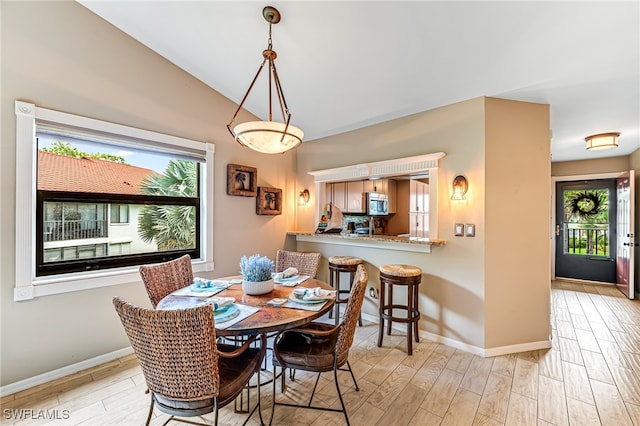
pixel 390 242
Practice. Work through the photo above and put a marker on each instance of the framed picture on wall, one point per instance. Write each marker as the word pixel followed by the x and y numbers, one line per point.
pixel 242 180
pixel 269 201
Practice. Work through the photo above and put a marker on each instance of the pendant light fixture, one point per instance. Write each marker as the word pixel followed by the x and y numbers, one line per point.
pixel 269 137
pixel 602 141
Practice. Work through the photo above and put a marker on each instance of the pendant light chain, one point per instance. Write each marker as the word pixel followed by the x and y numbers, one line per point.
pixel 271 67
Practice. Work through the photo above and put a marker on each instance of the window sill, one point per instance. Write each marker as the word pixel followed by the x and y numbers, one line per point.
pixel 59 284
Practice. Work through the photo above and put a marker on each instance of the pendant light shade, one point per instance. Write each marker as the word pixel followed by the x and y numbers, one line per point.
pixel 269 137
pixel 602 141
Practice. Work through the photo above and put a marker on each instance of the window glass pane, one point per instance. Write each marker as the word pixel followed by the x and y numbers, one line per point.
pixel 586 222
pixel 79 221
pixel 157 228
pixel 119 248
pixel 99 201
pixel 119 213
pixel 98 168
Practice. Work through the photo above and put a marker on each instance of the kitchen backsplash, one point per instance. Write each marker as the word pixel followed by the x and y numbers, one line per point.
pixel 361 224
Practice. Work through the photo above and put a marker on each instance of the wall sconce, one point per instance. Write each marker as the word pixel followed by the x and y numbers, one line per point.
pixel 602 141
pixel 303 198
pixel 460 187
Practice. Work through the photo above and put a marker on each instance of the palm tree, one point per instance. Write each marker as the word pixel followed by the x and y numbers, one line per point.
pixel 270 200
pixel 172 227
pixel 240 180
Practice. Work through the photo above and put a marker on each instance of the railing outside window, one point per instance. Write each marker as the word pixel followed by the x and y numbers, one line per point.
pixel 592 240
pixel 62 230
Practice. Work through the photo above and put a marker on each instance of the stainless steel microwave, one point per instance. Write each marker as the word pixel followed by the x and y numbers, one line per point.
pixel 375 204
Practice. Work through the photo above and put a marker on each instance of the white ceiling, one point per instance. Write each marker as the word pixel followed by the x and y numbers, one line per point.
pixel 349 64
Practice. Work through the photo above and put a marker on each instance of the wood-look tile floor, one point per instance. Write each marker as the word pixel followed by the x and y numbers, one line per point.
pixel 591 376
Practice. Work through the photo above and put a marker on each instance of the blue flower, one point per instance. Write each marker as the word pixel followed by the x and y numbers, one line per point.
pixel 256 268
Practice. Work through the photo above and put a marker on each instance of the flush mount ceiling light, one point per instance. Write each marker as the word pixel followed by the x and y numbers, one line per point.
pixel 269 137
pixel 602 141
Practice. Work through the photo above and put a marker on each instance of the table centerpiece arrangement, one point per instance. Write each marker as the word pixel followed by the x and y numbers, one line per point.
pixel 256 273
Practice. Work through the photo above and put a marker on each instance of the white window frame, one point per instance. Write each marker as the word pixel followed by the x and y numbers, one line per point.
pixel 28 285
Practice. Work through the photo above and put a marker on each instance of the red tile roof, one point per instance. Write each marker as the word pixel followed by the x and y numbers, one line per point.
pixel 62 173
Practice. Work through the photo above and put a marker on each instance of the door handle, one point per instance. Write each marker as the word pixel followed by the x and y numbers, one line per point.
pixel 557 230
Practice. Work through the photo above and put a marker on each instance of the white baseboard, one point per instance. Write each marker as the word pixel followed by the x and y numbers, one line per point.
pixel 62 372
pixel 521 347
pixel 449 342
pixel 485 353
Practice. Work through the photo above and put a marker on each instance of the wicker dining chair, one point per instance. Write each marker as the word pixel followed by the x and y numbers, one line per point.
pixel 160 279
pixel 320 347
pixel 187 372
pixel 305 263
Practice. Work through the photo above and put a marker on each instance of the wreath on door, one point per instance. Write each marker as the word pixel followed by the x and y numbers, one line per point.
pixel 585 204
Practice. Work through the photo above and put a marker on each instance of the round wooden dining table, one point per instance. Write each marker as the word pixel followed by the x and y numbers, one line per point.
pixel 268 318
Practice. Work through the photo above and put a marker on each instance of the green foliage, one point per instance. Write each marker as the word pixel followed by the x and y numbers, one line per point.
pixel 65 148
pixel 575 198
pixel 256 268
pixel 172 227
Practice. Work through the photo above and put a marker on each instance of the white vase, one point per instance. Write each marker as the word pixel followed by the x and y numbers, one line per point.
pixel 255 288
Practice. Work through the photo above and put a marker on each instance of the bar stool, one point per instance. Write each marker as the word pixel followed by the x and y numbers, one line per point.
pixel 400 275
pixel 338 264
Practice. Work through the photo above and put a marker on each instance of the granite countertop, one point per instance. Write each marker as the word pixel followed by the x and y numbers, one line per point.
pixel 365 237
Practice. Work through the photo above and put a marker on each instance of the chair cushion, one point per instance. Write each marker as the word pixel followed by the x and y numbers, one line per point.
pixel 301 351
pixel 234 374
pixel 345 260
pixel 400 270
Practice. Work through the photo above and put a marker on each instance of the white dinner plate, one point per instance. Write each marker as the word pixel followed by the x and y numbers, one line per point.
pixel 300 299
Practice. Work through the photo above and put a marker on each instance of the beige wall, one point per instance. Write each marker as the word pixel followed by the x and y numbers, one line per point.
pixel 468 294
pixel 61 56
pixel 517 169
pixel 585 167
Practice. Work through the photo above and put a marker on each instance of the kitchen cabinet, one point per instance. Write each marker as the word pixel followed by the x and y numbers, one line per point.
pixel 391 192
pixel 368 186
pixel 378 185
pixel 328 194
pixel 339 195
pixel 347 196
pixel 418 209
pixel 354 196
pixel 418 197
pixel 419 225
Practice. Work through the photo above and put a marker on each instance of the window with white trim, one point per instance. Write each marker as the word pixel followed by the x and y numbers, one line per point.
pixel 99 199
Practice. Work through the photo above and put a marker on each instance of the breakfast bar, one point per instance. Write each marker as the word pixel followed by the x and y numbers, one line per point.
pixel 389 242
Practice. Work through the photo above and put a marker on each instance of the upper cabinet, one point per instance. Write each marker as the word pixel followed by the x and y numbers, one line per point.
pixel 354 196
pixel 418 196
pixel 348 196
pixel 339 195
pixel 369 186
